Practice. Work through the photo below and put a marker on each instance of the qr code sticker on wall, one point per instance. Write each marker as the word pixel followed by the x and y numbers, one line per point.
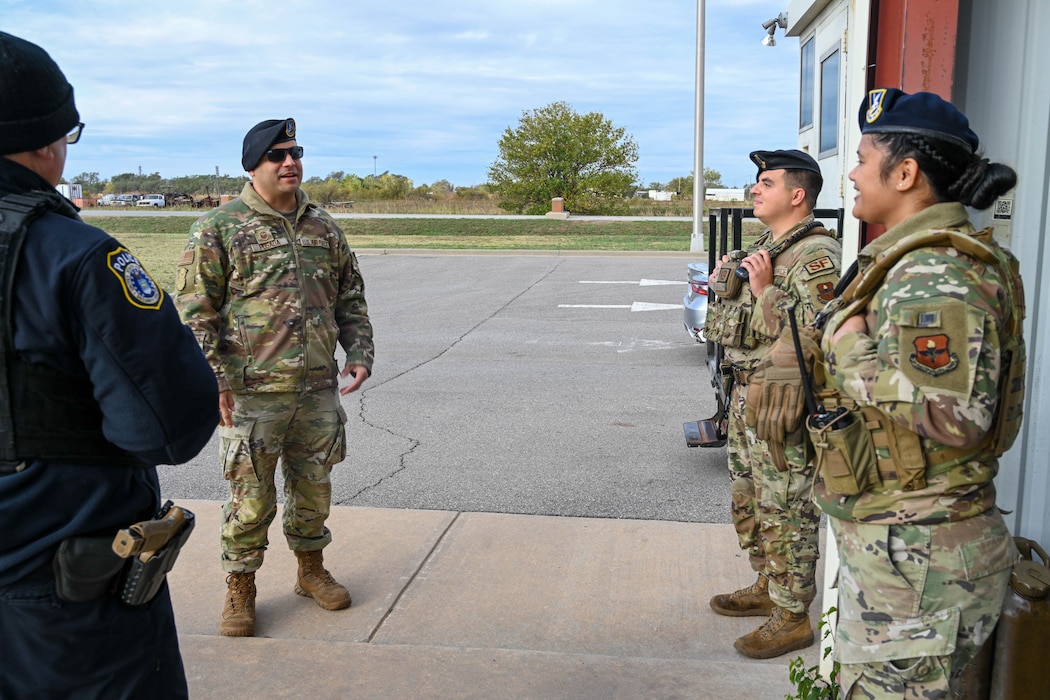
pixel 1004 209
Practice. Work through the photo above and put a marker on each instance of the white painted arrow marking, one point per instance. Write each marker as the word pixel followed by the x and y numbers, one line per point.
pixel 640 283
pixel 636 306
pixel 646 306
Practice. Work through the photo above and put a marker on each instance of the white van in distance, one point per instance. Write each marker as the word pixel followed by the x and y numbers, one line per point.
pixel 151 200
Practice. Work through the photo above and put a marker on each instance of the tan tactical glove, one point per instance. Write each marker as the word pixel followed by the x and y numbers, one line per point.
pixel 776 399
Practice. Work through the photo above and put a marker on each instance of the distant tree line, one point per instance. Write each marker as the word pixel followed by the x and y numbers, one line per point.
pixel 347 187
pixel 334 187
pixel 341 187
pixel 554 152
pixel 126 183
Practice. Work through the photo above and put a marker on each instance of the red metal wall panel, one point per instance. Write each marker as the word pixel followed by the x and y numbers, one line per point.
pixel 914 51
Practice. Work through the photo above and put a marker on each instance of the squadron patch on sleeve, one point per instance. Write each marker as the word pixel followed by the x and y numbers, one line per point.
pixel 825 291
pixel 932 355
pixel 929 336
pixel 139 287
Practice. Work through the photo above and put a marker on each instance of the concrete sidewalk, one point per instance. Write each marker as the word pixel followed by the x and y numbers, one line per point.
pixel 481 605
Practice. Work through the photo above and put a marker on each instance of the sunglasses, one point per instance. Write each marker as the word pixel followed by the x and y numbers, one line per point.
pixel 277 155
pixel 74 135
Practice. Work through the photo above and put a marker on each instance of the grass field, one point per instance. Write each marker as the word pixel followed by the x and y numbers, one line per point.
pixel 158 240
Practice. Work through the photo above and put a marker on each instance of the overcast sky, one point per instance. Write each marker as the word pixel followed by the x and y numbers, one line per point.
pixel 420 88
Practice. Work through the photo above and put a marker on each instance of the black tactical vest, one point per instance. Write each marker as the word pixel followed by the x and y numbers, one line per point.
pixel 45 413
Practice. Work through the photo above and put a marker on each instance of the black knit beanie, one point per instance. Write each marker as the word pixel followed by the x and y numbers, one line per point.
pixel 36 100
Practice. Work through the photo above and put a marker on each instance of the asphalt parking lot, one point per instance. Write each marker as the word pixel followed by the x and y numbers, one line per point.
pixel 535 384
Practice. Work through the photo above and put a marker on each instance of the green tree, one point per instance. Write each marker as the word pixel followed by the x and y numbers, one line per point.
pixel 442 188
pixel 684 185
pixel 556 152
pixel 88 180
pixel 323 191
pixel 712 178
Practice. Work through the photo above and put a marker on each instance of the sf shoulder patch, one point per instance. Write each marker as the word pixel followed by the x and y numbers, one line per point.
pixel 821 266
pixel 139 287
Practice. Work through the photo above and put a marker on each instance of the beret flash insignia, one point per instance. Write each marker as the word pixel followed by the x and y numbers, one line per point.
pixel 875 98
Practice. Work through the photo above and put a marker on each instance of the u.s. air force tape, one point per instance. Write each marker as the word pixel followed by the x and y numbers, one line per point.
pixel 139 287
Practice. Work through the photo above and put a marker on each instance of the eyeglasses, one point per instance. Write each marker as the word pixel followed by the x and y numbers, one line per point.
pixel 277 155
pixel 74 135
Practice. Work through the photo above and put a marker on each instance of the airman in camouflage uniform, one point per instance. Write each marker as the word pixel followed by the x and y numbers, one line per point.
pixel 775 519
pixel 269 286
pixel 925 554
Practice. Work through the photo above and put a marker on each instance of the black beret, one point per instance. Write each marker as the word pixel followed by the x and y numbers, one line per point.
pixel 889 110
pixel 784 160
pixel 36 100
pixel 263 135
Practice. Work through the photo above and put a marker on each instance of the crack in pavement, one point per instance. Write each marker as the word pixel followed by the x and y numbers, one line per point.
pixel 413 443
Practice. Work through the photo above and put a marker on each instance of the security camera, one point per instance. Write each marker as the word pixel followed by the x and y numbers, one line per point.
pixel 770 25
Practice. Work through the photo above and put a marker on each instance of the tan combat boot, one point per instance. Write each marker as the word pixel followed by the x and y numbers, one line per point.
pixel 752 601
pixel 784 631
pixel 315 582
pixel 238 617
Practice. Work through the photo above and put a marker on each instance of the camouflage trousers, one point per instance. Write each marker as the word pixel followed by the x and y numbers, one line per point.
pixel 307 434
pixel 916 602
pixel 774 515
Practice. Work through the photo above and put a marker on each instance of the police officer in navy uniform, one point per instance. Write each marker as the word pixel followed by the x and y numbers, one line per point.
pixel 100 382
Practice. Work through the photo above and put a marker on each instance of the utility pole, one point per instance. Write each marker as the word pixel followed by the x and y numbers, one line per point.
pixel 696 241
pixel 218 187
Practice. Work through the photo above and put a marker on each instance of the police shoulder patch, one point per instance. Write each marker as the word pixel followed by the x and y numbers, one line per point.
pixel 139 288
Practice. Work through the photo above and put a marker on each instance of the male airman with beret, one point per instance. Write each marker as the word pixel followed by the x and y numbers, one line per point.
pixel 269 287
pixel 791 269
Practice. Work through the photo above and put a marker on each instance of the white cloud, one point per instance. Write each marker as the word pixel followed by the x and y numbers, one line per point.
pixel 426 87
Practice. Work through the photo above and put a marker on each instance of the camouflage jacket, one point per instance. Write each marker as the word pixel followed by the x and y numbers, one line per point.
pixel 804 277
pixel 268 301
pixel 930 362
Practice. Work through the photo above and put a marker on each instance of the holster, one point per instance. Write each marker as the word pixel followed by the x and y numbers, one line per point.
pixel 89 567
pixel 145 573
pixel 86 568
